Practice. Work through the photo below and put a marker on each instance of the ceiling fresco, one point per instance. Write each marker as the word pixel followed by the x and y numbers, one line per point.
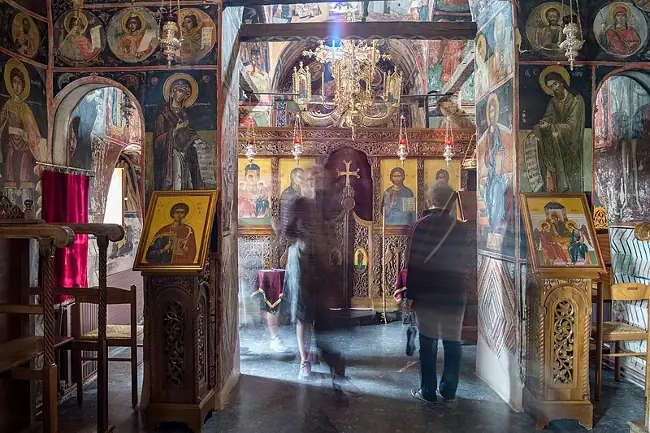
pixel 426 65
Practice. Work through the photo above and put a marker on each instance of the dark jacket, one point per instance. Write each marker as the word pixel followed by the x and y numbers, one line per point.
pixel 440 280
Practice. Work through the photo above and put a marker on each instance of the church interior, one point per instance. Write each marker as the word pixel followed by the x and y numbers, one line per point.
pixel 149 151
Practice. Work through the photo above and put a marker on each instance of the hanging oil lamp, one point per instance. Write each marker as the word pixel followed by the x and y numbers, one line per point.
pixel 572 31
pixel 402 146
pixel 449 142
pixel 250 141
pixel 170 42
pixel 297 139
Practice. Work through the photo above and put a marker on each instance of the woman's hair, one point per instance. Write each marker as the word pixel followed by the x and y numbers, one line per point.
pixel 441 195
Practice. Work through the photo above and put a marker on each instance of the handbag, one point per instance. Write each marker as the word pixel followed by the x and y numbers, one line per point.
pixel 411 335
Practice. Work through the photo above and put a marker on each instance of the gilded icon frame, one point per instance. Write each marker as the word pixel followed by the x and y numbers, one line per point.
pixel 203 203
pixel 530 211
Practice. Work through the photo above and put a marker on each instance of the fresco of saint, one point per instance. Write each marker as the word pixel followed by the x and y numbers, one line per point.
pixel 20 136
pixel 549 36
pixel 619 37
pixel 496 183
pixel 133 35
pixel 176 162
pixel 198 34
pixel 77 44
pixel 560 133
pixel 25 35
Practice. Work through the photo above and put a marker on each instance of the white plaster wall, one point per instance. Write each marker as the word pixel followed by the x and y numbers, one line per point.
pixel 501 373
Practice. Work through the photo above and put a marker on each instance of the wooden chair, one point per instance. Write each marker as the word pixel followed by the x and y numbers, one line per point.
pixel 116 336
pixel 104 233
pixel 617 332
pixel 599 287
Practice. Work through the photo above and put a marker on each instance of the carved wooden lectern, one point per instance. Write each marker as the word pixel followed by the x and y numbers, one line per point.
pixel 180 370
pixel 563 263
pixel 179 349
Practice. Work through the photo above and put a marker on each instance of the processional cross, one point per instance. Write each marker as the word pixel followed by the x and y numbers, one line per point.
pixel 347 173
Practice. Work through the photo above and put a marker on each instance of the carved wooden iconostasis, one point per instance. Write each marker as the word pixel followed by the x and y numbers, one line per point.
pixel 369 232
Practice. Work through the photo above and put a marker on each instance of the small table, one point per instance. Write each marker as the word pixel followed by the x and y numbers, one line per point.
pixel 270 284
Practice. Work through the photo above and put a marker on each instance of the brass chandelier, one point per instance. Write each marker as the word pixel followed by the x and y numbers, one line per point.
pixel 356 102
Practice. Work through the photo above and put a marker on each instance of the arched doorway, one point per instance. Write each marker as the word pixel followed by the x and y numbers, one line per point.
pixel 622 187
pixel 622 145
pixel 98 131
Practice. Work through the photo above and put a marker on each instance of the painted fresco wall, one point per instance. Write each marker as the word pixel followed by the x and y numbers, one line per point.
pixel 602 144
pixel 228 349
pixel 128 36
pixel 23 100
pixel 179 104
pixel 427 65
pixel 555 128
pixel 499 298
pixel 23 129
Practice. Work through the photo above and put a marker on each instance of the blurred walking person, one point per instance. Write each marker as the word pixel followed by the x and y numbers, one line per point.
pixel 306 279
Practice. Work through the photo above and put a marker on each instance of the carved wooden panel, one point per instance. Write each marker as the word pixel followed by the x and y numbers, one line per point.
pixel 172 342
pixel 201 346
pixel 557 338
pixel 389 257
pixel 275 189
pixel 422 188
pixel 255 253
pixel 534 336
pixel 361 279
pixel 372 141
pixel 8 210
pixel 375 167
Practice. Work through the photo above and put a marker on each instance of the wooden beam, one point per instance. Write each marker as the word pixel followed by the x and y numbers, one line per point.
pixel 357 30
pixel 461 74
pixel 228 3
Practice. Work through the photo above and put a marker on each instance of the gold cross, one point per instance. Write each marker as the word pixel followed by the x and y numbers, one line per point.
pixel 347 173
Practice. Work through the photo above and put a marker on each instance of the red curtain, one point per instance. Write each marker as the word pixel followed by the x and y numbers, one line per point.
pixel 65 200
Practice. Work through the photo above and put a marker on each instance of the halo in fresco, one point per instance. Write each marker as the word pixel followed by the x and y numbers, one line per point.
pixel 544 28
pixel 556 69
pixel 621 29
pixel 194 92
pixel 481 48
pixel 198 34
pixel 78 37
pixel 25 35
pixel 9 68
pixel 133 34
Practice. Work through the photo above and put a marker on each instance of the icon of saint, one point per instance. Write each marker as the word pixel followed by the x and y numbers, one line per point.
pixel 398 200
pixel 175 243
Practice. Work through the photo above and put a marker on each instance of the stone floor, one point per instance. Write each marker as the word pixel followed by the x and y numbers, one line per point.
pixel 269 396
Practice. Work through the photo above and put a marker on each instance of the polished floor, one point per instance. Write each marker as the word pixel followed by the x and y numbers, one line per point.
pixel 270 397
